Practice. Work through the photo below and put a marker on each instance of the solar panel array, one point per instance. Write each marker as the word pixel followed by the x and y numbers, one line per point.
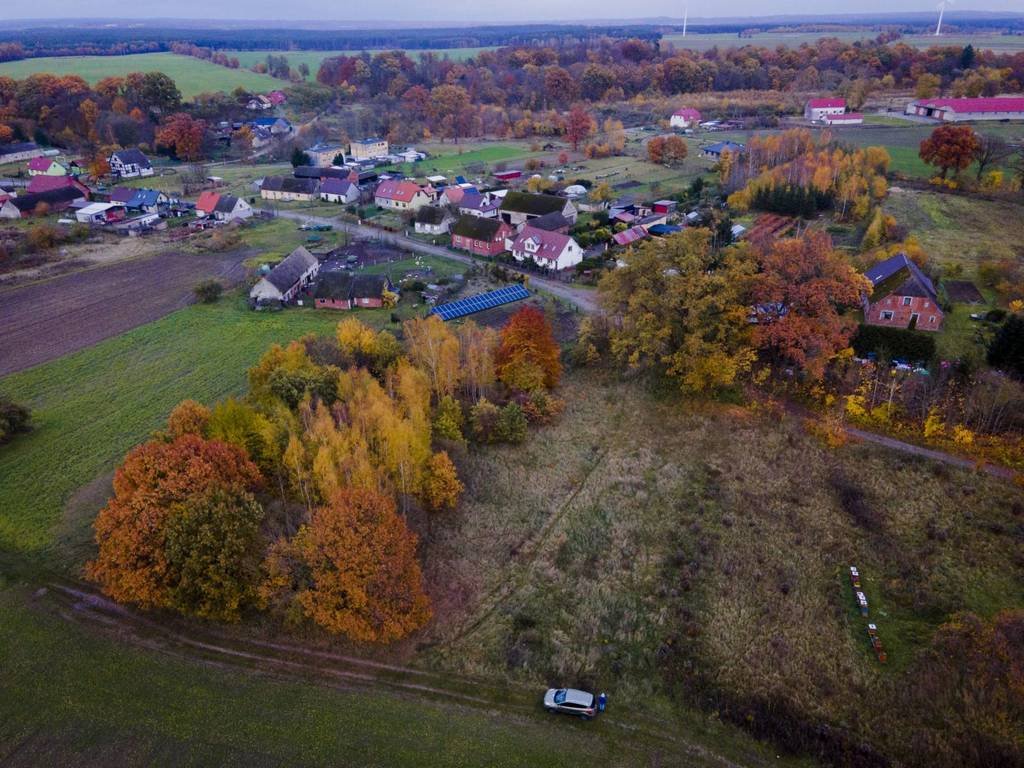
pixel 480 302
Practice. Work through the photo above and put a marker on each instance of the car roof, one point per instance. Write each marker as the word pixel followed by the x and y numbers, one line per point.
pixel 576 696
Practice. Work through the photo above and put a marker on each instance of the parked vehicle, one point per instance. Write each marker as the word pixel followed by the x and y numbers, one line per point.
pixel 570 701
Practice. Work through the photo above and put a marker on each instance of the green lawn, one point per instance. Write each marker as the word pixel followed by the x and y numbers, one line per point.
pixel 90 407
pixel 192 75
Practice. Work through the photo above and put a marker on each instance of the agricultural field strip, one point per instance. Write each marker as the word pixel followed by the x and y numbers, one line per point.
pixel 84 606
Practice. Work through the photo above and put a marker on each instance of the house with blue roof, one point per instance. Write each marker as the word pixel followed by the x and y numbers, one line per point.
pixel 902 296
pixel 144 200
pixel 717 149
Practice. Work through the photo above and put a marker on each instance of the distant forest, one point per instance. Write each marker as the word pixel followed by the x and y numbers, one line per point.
pixel 109 41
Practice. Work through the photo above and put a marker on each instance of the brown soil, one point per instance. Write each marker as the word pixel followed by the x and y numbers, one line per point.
pixel 46 319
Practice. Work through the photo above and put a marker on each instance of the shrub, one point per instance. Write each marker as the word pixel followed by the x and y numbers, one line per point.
pixel 14 418
pixel 894 343
pixel 484 420
pixel 1007 348
pixel 511 426
pixel 208 291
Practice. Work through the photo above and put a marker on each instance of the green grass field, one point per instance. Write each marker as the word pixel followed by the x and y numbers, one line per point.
pixel 698 41
pixel 313 59
pixel 192 75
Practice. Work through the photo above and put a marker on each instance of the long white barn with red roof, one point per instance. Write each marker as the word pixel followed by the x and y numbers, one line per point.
pixel 958 110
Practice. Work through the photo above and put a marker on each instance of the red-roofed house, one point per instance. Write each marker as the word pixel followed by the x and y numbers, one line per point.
pixel 46 183
pixel 207 203
pixel 46 166
pixel 684 118
pixel 277 98
pixel 402 195
pixel 549 249
pixel 955 110
pixel 818 109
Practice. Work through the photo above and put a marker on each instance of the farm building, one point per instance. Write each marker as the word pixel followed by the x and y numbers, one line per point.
pixel 321 172
pixel 956 110
pixel 552 222
pixel 433 220
pixel 51 201
pixel 101 213
pixel 484 237
pixel 818 109
pixel 666 207
pixel 368 149
pixel 324 154
pixel 129 164
pixel 402 195
pixel 288 188
pixel 46 183
pixel 847 118
pixel 339 191
pixel 507 176
pixel 276 126
pixel 630 236
pixel 286 279
pixel 520 207
pixel 19 152
pixel 231 208
pixel 687 117
pixel 343 290
pixel 548 249
pixel 902 296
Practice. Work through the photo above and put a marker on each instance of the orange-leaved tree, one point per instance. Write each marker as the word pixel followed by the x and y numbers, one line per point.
pixel 441 484
pixel 157 482
pixel 184 135
pixel 950 147
pixel 797 296
pixel 352 569
pixel 188 418
pixel 528 356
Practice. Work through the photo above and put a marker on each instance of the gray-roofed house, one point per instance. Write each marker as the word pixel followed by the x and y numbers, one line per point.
pixel 231 208
pixel 552 222
pixel 517 208
pixel 484 237
pixel 433 220
pixel 475 204
pixel 339 191
pixel 129 164
pixel 344 290
pixel 284 281
pixel 902 296
pixel 289 188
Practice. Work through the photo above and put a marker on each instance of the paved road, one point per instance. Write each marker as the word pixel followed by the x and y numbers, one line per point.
pixel 581 297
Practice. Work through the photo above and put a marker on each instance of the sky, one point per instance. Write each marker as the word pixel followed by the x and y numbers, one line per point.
pixel 466 10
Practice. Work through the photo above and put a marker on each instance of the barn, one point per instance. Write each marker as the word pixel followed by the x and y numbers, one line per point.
pixel 961 110
pixel 902 296
pixel 285 280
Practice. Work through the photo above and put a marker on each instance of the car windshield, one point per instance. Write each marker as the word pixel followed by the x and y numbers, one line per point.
pixel 560 696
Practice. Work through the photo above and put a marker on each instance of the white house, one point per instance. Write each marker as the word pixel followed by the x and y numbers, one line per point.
pixel 231 208
pixel 129 163
pixel 284 281
pixel 339 191
pixel 553 250
pixel 817 109
pixel 433 220
pixel 684 118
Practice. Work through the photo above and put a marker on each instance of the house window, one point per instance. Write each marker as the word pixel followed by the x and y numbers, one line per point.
pixel 931 320
pixel 906 301
pixel 887 315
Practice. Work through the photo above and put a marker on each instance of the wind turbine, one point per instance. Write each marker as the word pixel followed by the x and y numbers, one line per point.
pixel 686 14
pixel 942 8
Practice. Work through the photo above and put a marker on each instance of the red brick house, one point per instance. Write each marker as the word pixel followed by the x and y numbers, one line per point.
pixel 903 296
pixel 479 235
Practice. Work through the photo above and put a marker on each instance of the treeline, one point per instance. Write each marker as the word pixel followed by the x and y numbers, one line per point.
pixel 298 499
pixel 612 70
pixel 206 54
pixel 95 41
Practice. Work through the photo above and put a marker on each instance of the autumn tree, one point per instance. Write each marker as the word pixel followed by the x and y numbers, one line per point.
pixel 183 135
pixel 678 309
pixel 441 484
pixel 798 295
pixel 188 418
pixel 528 356
pixel 477 345
pixel 6 134
pixel 450 110
pixel 159 482
pixel 360 346
pixel 351 569
pixel 432 347
pixel 667 150
pixel 950 147
pixel 992 151
pixel 578 126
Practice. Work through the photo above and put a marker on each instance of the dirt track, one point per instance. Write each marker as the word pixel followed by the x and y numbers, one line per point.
pixel 45 320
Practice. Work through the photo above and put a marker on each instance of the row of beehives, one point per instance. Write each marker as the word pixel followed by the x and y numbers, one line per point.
pixel 862 603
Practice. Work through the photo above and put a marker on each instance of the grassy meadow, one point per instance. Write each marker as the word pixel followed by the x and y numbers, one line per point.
pixel 680 550
pixel 193 76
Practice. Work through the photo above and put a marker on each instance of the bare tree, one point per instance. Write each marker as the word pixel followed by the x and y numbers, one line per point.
pixel 992 150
